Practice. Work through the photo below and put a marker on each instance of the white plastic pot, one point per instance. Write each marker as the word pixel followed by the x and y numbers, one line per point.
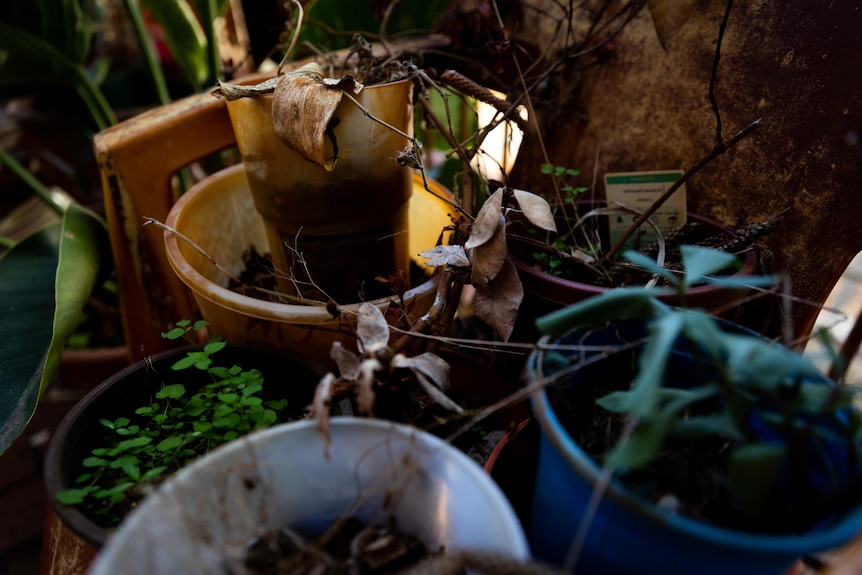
pixel 205 517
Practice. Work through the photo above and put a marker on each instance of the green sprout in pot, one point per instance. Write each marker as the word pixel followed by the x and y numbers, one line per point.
pixel 180 423
pixel 704 416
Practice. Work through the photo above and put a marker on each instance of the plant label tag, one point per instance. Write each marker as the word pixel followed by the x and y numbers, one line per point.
pixel 638 190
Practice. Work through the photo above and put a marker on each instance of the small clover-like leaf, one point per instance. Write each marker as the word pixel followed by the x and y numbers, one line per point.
pixel 174 391
pixel 73 496
pixel 169 444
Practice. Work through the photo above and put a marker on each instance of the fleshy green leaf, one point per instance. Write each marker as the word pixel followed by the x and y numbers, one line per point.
pixel 646 440
pixel 652 362
pixel 699 263
pixel 752 473
pixel 612 305
pixel 44 282
pixel 184 36
pixel 651 266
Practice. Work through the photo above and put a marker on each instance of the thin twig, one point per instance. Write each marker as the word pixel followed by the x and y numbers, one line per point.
pixel 220 268
pixel 716 152
pixel 296 30
pixel 714 74
pixel 719 148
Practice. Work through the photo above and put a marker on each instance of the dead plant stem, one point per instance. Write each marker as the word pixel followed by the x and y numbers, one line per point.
pixel 717 151
pixel 282 296
pixel 719 147
pixel 296 30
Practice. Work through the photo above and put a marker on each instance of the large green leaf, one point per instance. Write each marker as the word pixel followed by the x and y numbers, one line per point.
pixel 62 259
pixel 30 61
pixel 184 36
pixel 27 303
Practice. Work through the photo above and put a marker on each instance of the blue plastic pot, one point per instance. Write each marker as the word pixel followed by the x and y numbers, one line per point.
pixel 629 534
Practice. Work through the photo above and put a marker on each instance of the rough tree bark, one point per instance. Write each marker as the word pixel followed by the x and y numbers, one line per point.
pixel 795 64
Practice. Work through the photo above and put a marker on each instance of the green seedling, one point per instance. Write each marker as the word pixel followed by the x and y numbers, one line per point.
pixel 176 427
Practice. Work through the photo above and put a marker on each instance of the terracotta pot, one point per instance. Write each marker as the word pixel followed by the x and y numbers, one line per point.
pixel 544 292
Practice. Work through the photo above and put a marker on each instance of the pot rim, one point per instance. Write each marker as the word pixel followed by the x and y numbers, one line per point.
pixel 454 462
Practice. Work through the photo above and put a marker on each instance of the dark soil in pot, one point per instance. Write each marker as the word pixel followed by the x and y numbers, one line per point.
pixel 351 547
pixel 260 272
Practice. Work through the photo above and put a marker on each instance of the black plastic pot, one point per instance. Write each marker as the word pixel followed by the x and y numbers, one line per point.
pixel 285 376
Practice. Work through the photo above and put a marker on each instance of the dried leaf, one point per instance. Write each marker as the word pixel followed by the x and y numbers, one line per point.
pixel 487 221
pixel 432 373
pixel 346 361
pixel 536 209
pixel 365 386
pixel 320 409
pixel 497 303
pixel 433 366
pixel 668 17
pixel 441 256
pixel 489 257
pixel 232 92
pixel 303 108
pixel 371 329
pixel 578 255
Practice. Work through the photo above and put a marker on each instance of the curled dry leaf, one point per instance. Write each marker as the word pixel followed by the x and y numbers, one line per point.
pixel 365 386
pixel 442 256
pixel 346 361
pixel 490 256
pixel 497 303
pixel 432 373
pixel 232 92
pixel 371 329
pixel 668 17
pixel 578 255
pixel 320 408
pixel 487 220
pixel 303 108
pixel 536 209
